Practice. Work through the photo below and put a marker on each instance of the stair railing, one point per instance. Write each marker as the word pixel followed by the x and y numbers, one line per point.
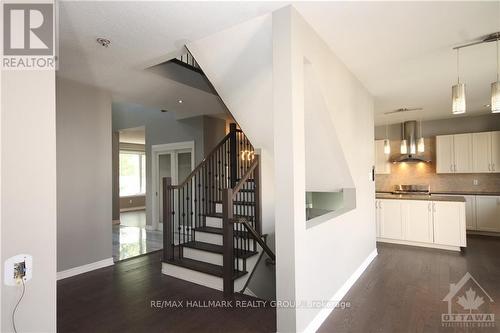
pixel 186 205
pixel 241 203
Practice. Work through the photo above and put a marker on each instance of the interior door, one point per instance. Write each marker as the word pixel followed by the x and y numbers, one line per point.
pixel 176 164
pixel 462 150
pixel 444 154
pixel 481 152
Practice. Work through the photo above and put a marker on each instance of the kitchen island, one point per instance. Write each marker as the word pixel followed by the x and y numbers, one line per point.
pixel 436 221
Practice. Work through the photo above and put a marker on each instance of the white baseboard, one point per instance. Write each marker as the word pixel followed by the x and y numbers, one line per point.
pixel 315 324
pixel 85 268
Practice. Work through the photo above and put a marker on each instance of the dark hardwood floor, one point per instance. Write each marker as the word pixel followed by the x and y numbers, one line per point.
pixel 401 291
pixel 403 288
pixel 118 299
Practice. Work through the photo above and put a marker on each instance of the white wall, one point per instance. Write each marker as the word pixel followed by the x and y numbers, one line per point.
pixel 84 175
pixel 238 62
pixel 328 254
pixel 28 194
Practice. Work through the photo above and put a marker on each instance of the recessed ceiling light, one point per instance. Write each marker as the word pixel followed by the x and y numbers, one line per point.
pixel 103 41
pixel 163 110
pixel 180 101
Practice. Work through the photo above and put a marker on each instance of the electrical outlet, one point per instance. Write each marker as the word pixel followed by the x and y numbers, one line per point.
pixel 475 182
pixel 17 268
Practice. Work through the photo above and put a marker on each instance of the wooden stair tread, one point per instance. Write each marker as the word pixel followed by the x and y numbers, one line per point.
pixel 220 231
pixel 242 203
pixel 203 267
pixel 240 253
pixel 219 215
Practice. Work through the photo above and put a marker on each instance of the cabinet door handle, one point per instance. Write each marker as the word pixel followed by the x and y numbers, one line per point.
pixel 433 207
pixel 429 206
pixel 455 167
pixel 492 166
pixel 489 166
pixel 451 167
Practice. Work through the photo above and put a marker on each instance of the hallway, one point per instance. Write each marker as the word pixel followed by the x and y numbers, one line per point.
pixel 131 238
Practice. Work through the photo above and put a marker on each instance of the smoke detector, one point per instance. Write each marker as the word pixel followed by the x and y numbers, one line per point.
pixel 103 42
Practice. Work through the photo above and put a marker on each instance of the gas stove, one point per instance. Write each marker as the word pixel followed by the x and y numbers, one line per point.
pixel 412 189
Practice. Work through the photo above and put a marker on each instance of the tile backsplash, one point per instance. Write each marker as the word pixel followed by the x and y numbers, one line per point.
pixel 425 173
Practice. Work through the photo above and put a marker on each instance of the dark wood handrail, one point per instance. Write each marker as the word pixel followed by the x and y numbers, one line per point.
pixel 247 175
pixel 203 162
pixel 256 236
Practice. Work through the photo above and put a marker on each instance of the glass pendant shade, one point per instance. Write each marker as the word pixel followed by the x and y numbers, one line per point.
pixel 387 147
pixel 413 148
pixel 404 147
pixel 421 145
pixel 458 98
pixel 495 97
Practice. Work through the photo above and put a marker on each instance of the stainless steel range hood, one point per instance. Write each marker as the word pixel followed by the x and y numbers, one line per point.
pixel 409 132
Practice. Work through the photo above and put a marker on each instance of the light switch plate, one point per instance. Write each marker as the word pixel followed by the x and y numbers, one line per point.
pixel 9 269
pixel 475 182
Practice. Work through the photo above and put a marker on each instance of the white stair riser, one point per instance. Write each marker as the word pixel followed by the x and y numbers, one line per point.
pixel 203 279
pixel 209 257
pixel 238 209
pixel 213 222
pixel 216 239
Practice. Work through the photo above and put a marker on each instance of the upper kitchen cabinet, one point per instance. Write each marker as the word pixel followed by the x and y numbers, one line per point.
pixel 382 164
pixel 486 152
pixel 454 153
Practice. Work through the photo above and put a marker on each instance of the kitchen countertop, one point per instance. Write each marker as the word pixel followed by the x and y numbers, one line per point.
pixel 419 197
pixel 454 193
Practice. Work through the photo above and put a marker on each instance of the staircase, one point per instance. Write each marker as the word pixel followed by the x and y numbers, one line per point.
pixel 212 220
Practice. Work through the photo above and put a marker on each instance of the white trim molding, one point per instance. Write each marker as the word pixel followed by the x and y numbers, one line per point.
pixel 85 268
pixel 315 324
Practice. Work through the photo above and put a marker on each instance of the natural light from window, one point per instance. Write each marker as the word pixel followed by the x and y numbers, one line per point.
pixel 132 173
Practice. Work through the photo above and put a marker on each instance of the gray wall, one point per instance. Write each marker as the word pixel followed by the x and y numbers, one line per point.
pixel 456 125
pixel 84 175
pixel 28 195
pixel 163 127
pixel 115 147
pixel 214 130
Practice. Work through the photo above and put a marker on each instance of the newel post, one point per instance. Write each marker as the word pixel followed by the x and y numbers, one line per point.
pixel 233 154
pixel 227 225
pixel 257 195
pixel 168 244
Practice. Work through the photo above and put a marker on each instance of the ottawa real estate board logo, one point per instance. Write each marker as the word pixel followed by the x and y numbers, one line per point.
pixel 28 36
pixel 469 305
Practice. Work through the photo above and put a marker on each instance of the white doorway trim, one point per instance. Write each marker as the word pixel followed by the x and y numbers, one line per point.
pixel 157 150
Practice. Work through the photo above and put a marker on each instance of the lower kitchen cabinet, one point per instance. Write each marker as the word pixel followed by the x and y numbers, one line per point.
pixel 418 221
pixel 422 223
pixel 449 223
pixel 390 221
pixel 488 213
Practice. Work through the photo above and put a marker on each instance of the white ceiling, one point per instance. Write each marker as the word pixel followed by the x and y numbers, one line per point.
pixel 401 51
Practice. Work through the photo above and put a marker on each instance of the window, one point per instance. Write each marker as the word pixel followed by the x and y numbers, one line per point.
pixel 132 173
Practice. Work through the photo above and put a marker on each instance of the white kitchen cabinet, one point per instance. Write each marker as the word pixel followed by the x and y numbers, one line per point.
pixel 449 223
pixel 391 222
pixel 462 153
pixel 495 151
pixel 444 154
pixel 470 212
pixel 382 164
pixel 418 221
pixel 454 153
pixel 488 213
pixel 486 152
pixel 481 152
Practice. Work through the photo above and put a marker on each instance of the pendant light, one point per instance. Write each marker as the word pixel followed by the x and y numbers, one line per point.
pixel 387 143
pixel 458 92
pixel 495 90
pixel 421 144
pixel 404 144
